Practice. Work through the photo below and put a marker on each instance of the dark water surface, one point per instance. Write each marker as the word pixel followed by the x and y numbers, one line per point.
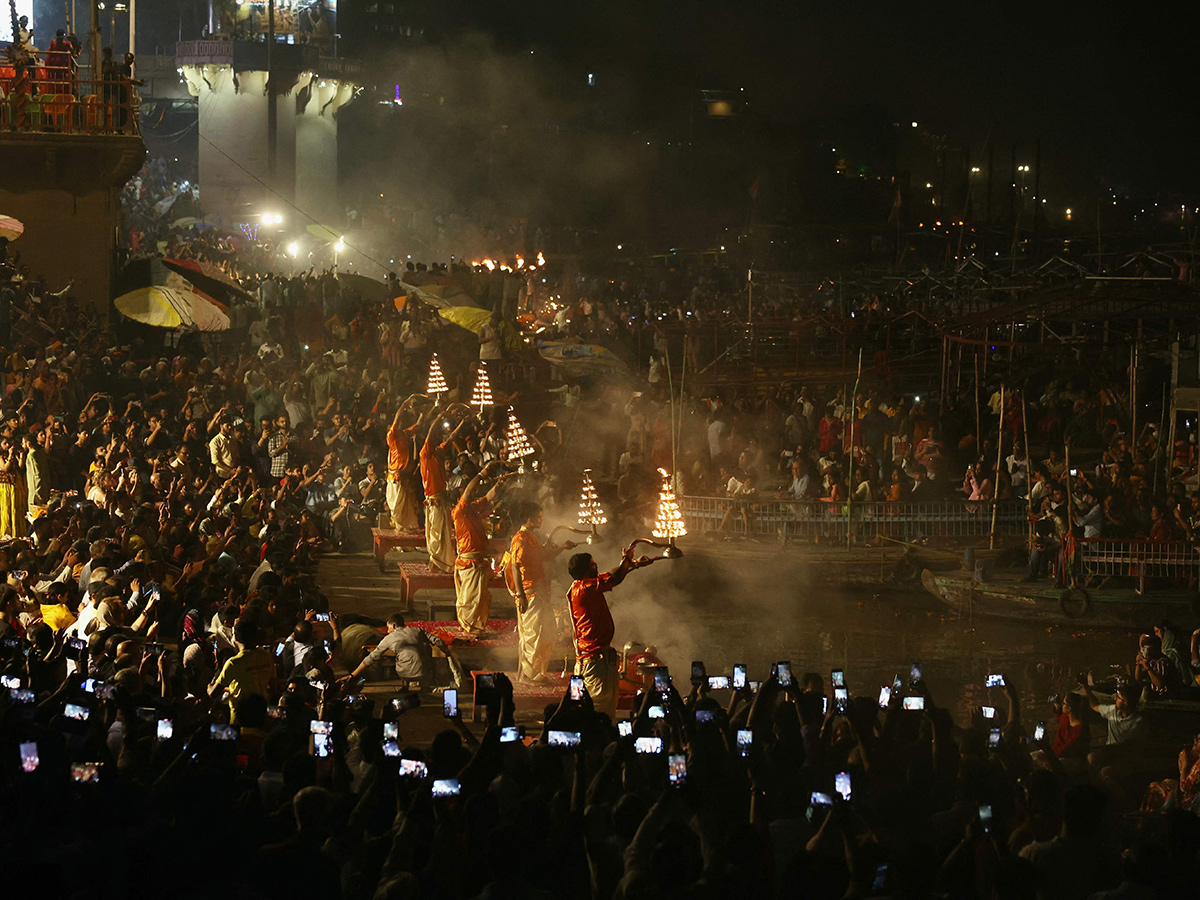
pixel 724 607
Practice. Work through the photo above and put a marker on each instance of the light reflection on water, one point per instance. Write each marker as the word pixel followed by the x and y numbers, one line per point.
pixel 756 612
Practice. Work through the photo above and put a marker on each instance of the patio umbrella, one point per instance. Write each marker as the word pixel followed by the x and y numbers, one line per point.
pixel 323 232
pixel 210 279
pixel 10 228
pixel 367 288
pixel 157 296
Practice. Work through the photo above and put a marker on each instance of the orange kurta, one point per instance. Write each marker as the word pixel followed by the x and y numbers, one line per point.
pixel 527 552
pixel 469 529
pixel 399 441
pixel 432 475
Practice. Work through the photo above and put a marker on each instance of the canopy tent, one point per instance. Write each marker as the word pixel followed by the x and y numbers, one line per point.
pixel 367 288
pixel 582 359
pixel 155 295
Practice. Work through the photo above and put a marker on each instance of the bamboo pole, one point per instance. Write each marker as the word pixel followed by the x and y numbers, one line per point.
pixel 1070 515
pixel 1028 468
pixel 1159 447
pixel 850 455
pixel 996 476
pixel 978 416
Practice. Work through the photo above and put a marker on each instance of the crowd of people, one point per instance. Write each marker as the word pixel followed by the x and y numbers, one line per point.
pixel 176 680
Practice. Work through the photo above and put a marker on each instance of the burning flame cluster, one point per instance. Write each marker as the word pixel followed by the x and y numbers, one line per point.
pixel 590 511
pixel 437 381
pixel 669 522
pixel 482 394
pixel 491 265
pixel 516 441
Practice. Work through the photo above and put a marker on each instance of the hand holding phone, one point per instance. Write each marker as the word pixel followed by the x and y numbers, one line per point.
pixel 450 703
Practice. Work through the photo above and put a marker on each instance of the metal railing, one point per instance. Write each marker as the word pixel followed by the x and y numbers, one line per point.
pixel 50 99
pixel 1140 559
pixel 826 519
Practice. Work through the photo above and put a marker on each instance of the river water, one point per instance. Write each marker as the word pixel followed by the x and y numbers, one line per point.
pixel 724 608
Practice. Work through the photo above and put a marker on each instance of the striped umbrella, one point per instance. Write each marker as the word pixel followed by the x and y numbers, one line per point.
pixel 11 228
pixel 156 296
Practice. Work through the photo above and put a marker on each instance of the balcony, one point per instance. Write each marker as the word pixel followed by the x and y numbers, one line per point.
pixel 251 56
pixel 46 99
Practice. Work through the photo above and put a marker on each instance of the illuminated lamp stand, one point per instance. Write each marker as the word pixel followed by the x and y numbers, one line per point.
pixel 590 513
pixel 437 381
pixel 516 442
pixel 482 394
pixel 668 523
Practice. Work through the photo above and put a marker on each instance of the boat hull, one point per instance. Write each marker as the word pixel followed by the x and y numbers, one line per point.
pixel 1122 608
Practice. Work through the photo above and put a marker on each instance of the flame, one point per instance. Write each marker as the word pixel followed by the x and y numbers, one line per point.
pixel 520 262
pixel 491 265
pixel 541 260
pixel 663 472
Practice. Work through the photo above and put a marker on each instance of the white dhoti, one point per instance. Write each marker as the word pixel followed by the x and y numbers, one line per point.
pixel 535 633
pixel 601 675
pixel 402 502
pixel 472 595
pixel 439 534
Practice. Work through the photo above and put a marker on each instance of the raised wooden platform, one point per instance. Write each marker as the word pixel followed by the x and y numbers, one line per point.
pixel 384 540
pixel 417 575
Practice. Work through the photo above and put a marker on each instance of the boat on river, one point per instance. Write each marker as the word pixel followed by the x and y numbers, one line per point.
pixel 1007 596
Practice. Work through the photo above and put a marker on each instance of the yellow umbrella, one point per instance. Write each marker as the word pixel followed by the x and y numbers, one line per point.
pixel 10 228
pixel 473 319
pixel 171 307
pixel 322 232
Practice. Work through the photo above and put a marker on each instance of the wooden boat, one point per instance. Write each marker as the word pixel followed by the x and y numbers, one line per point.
pixel 1006 596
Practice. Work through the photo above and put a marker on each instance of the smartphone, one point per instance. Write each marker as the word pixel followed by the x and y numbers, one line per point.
pixel 841 700
pixel 824 705
pixel 391 748
pixel 745 737
pixel 322 617
pixel 897 684
pixel 279 648
pixel 915 673
pixel 739 676
pixel 22 695
pixel 87 772
pixel 662 679
pixel 783 672
pixel 563 739
pixel 677 769
pixel 322 745
pixel 718 682
pixel 754 686
pixel 450 703
pixel 648 745
pixel 994 738
pixel 914 702
pixel 446 787
pixel 223 732
pixel 409 701
pixel 1039 733
pixel 698 672
pixel 147 714
pixel 624 728
pixel 985 816
pixel 820 798
pixel 656 712
pixel 166 729
pixel 841 784
pixel 316 726
pixel 885 697
pixel 275 712
pixel 10 681
pixel 838 677
pixel 511 734
pixel 995 681
pixel 29 756
pixel 576 687
pixel 77 644
pixel 391 731
pixel 89 684
pixel 76 712
pixel 881 879
pixel 704 715
pixel 413 768
pixel 989 712
pixel 106 691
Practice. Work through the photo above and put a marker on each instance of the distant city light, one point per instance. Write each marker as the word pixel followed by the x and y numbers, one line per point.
pixel 914 124
pixel 591 80
pixel 974 170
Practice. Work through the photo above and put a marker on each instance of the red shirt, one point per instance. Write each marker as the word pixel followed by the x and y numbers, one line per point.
pixel 590 617
pixel 468 525
pixel 1067 738
pixel 432 475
